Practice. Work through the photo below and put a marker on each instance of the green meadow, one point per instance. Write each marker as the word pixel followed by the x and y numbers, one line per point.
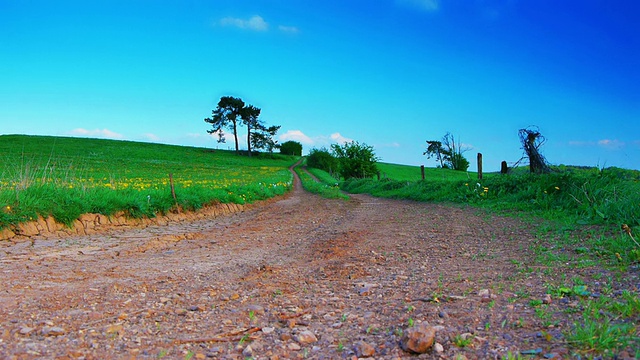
pixel 66 177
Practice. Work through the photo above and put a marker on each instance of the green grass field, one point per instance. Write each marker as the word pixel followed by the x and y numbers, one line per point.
pixel 65 177
pixel 412 173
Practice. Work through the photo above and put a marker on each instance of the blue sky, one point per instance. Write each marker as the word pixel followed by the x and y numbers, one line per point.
pixel 389 73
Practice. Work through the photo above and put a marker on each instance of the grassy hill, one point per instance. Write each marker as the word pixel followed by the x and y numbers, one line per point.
pixel 413 173
pixel 65 177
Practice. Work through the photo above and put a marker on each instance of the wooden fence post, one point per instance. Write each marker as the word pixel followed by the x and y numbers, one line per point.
pixel 422 171
pixel 173 191
pixel 479 166
pixel 504 168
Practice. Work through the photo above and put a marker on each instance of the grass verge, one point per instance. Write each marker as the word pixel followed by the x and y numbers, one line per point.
pixel 321 188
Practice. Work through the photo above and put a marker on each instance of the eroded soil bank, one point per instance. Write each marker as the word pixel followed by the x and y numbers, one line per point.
pixel 355 274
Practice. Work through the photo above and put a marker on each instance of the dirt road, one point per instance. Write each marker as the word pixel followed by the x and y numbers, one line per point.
pixel 300 277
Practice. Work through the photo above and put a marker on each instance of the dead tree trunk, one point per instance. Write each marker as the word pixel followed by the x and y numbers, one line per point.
pixel 531 141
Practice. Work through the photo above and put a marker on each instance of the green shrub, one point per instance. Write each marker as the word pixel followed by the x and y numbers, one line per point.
pixel 322 159
pixel 355 160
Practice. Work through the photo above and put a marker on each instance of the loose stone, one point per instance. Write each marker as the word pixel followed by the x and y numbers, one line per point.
pixel 418 339
pixel 305 337
pixel 363 350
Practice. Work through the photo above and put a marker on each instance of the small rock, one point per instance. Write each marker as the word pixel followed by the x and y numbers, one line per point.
pixel 164 300
pixel 466 336
pixel 267 330
pixel 438 348
pixel 293 346
pixel 234 297
pixel 547 299
pixel 248 351
pixel 53 331
pixel 181 312
pixel 257 309
pixel 305 337
pixel 363 350
pixel 418 339
pixel 484 293
pixel 364 291
pixel 25 330
pixel 193 308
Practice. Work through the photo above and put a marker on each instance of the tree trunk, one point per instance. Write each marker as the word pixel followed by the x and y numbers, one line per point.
pixel 249 138
pixel 235 136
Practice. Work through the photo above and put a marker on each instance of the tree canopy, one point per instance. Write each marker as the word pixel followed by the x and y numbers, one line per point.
pixel 291 148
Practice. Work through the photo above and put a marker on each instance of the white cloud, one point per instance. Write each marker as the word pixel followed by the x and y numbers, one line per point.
pixel 288 29
pixel 427 5
pixel 611 144
pixel 255 23
pixel 296 135
pixel 581 143
pixel 99 133
pixel 152 137
pixel 317 141
pixel 336 137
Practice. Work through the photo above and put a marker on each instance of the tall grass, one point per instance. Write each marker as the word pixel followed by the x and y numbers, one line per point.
pixel 585 196
pixel 66 177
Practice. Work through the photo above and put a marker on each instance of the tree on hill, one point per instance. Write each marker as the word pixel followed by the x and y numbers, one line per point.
pixel 226 116
pixel 355 160
pixel 448 152
pixel 232 112
pixel 291 148
pixel 453 152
